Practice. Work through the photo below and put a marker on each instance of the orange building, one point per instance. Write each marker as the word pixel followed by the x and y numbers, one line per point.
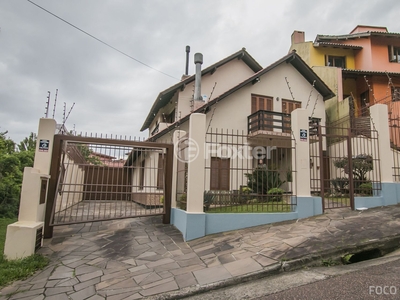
pixel 362 68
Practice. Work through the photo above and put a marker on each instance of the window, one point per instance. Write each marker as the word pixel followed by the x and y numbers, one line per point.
pixel 261 121
pixel 395 94
pixel 336 61
pixel 220 170
pixel 261 103
pixel 287 107
pixel 160 172
pixel 394 54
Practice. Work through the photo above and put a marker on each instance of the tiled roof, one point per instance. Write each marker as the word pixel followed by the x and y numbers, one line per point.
pixel 365 72
pixel 322 37
pixel 336 45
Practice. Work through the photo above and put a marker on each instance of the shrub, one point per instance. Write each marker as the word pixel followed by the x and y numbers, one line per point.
pixel 365 188
pixel 276 194
pixel 182 202
pixel 341 185
pixel 261 180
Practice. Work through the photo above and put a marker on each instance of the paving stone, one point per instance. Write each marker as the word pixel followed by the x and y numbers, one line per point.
pixel 89 276
pixel 83 294
pixel 107 283
pixel 185 280
pixel 163 288
pixel 243 266
pixel 139 270
pixel 151 277
pixel 96 297
pixel 27 294
pixel 187 269
pixel 58 297
pixel 83 285
pixel 211 275
pixel 264 261
pixel 226 258
pixel 53 283
pixel 67 282
pixel 160 262
pixel 121 273
pixel 62 273
pixel 57 290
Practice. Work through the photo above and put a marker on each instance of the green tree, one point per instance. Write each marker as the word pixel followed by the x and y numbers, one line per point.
pixel 12 164
pixel 361 165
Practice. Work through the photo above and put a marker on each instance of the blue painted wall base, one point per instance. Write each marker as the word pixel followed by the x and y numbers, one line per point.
pixel 388 195
pixel 195 225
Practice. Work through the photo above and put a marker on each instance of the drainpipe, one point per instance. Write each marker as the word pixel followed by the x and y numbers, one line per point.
pixel 198 60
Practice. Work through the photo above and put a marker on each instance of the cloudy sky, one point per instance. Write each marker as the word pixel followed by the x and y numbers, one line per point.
pixel 113 92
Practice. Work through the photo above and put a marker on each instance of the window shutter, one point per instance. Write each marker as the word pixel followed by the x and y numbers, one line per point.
pixel 214 182
pixel 224 174
pixel 253 104
pixel 268 105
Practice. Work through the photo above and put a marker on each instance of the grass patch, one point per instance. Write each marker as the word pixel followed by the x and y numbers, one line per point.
pixel 252 208
pixel 345 201
pixel 11 270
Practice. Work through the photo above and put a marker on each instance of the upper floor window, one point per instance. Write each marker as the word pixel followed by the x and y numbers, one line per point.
pixel 394 54
pixel 395 94
pixel 336 61
pixel 261 103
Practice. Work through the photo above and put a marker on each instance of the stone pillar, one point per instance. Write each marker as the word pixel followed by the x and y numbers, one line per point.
pixel 379 117
pixel 196 163
pixel 46 131
pixel 301 161
pixel 22 236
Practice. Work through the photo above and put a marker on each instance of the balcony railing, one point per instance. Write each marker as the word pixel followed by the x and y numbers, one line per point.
pixel 268 121
pixel 263 120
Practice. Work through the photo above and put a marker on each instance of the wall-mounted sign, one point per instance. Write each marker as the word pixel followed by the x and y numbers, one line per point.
pixel 303 135
pixel 44 145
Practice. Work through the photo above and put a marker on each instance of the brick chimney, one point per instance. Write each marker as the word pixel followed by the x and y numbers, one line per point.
pixel 298 37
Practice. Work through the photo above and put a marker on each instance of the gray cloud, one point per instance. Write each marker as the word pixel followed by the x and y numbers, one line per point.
pixel 113 93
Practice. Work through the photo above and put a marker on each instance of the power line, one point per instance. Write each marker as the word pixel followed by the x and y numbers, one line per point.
pixel 97 39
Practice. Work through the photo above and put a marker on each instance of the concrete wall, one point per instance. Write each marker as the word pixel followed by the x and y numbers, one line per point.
pixel 70 192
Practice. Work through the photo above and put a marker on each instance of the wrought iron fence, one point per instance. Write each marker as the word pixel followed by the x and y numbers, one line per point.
pixel 245 175
pixel 344 164
pixel 394 128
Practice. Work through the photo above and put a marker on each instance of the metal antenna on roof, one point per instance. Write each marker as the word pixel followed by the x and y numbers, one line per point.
pixel 55 103
pixel 309 96
pixel 64 109
pixel 290 90
pixel 73 104
pixel 46 112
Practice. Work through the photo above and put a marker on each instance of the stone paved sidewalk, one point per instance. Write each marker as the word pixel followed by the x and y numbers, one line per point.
pixel 140 258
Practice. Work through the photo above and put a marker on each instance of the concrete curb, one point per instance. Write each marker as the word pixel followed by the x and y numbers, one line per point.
pixel 385 245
